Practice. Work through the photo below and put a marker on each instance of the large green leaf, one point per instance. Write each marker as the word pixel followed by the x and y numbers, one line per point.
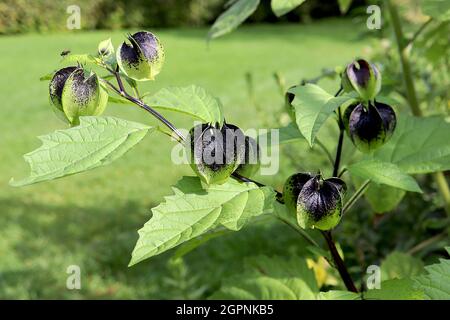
pixel 287 134
pixel 419 145
pixel 383 198
pixel 192 100
pixel 438 9
pixel 193 244
pixel 273 278
pixel 192 211
pixel 232 17
pixel 436 284
pixel 396 289
pixel 97 141
pixel 281 7
pixel 313 106
pixel 384 173
pixel 399 265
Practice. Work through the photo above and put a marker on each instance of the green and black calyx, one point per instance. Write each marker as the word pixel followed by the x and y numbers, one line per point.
pixel 216 152
pixel 317 203
pixel 142 58
pixel 368 123
pixel 75 92
pixel 370 127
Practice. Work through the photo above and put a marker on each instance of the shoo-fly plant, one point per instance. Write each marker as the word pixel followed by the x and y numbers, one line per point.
pixel 221 193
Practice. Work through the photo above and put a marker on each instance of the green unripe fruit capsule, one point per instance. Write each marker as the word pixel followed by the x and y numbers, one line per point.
pixel 142 58
pixel 292 188
pixel 215 152
pixel 363 77
pixel 75 94
pixel 55 89
pixel 251 162
pixel 317 203
pixel 369 127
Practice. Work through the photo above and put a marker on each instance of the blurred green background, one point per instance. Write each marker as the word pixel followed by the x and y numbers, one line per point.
pixel 18 16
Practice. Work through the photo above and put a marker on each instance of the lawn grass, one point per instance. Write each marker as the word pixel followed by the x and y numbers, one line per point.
pixel 91 219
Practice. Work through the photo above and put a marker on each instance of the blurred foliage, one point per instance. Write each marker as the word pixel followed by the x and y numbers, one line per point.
pixel 429 49
pixel 17 16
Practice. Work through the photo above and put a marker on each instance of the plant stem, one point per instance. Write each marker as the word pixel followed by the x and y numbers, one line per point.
pixel 355 196
pixel 300 232
pixel 443 188
pixel 343 272
pixel 419 31
pixel 404 60
pixel 325 73
pixel 426 243
pixel 337 160
pixel 324 148
pixel 411 92
pixel 121 91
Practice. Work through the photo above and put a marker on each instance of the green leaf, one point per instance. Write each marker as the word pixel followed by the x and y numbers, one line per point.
pixel 281 7
pixel 397 289
pixel 193 244
pixel 97 141
pixel 232 17
pixel 193 211
pixel 436 284
pixel 383 198
pixel 338 295
pixel 287 134
pixel 384 173
pixel 344 5
pixel 419 145
pixel 438 9
pixel 192 100
pixel 399 265
pixel 313 106
pixel 273 278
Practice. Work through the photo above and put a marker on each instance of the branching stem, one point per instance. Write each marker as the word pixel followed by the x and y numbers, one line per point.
pixel 355 196
pixel 343 272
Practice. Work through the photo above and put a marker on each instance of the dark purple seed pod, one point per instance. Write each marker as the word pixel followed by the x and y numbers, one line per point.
pixel 73 93
pixel 215 152
pixel 142 57
pixel 292 188
pixel 319 203
pixel 369 127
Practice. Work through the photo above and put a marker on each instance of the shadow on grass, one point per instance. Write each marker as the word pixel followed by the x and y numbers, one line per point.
pixel 39 241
